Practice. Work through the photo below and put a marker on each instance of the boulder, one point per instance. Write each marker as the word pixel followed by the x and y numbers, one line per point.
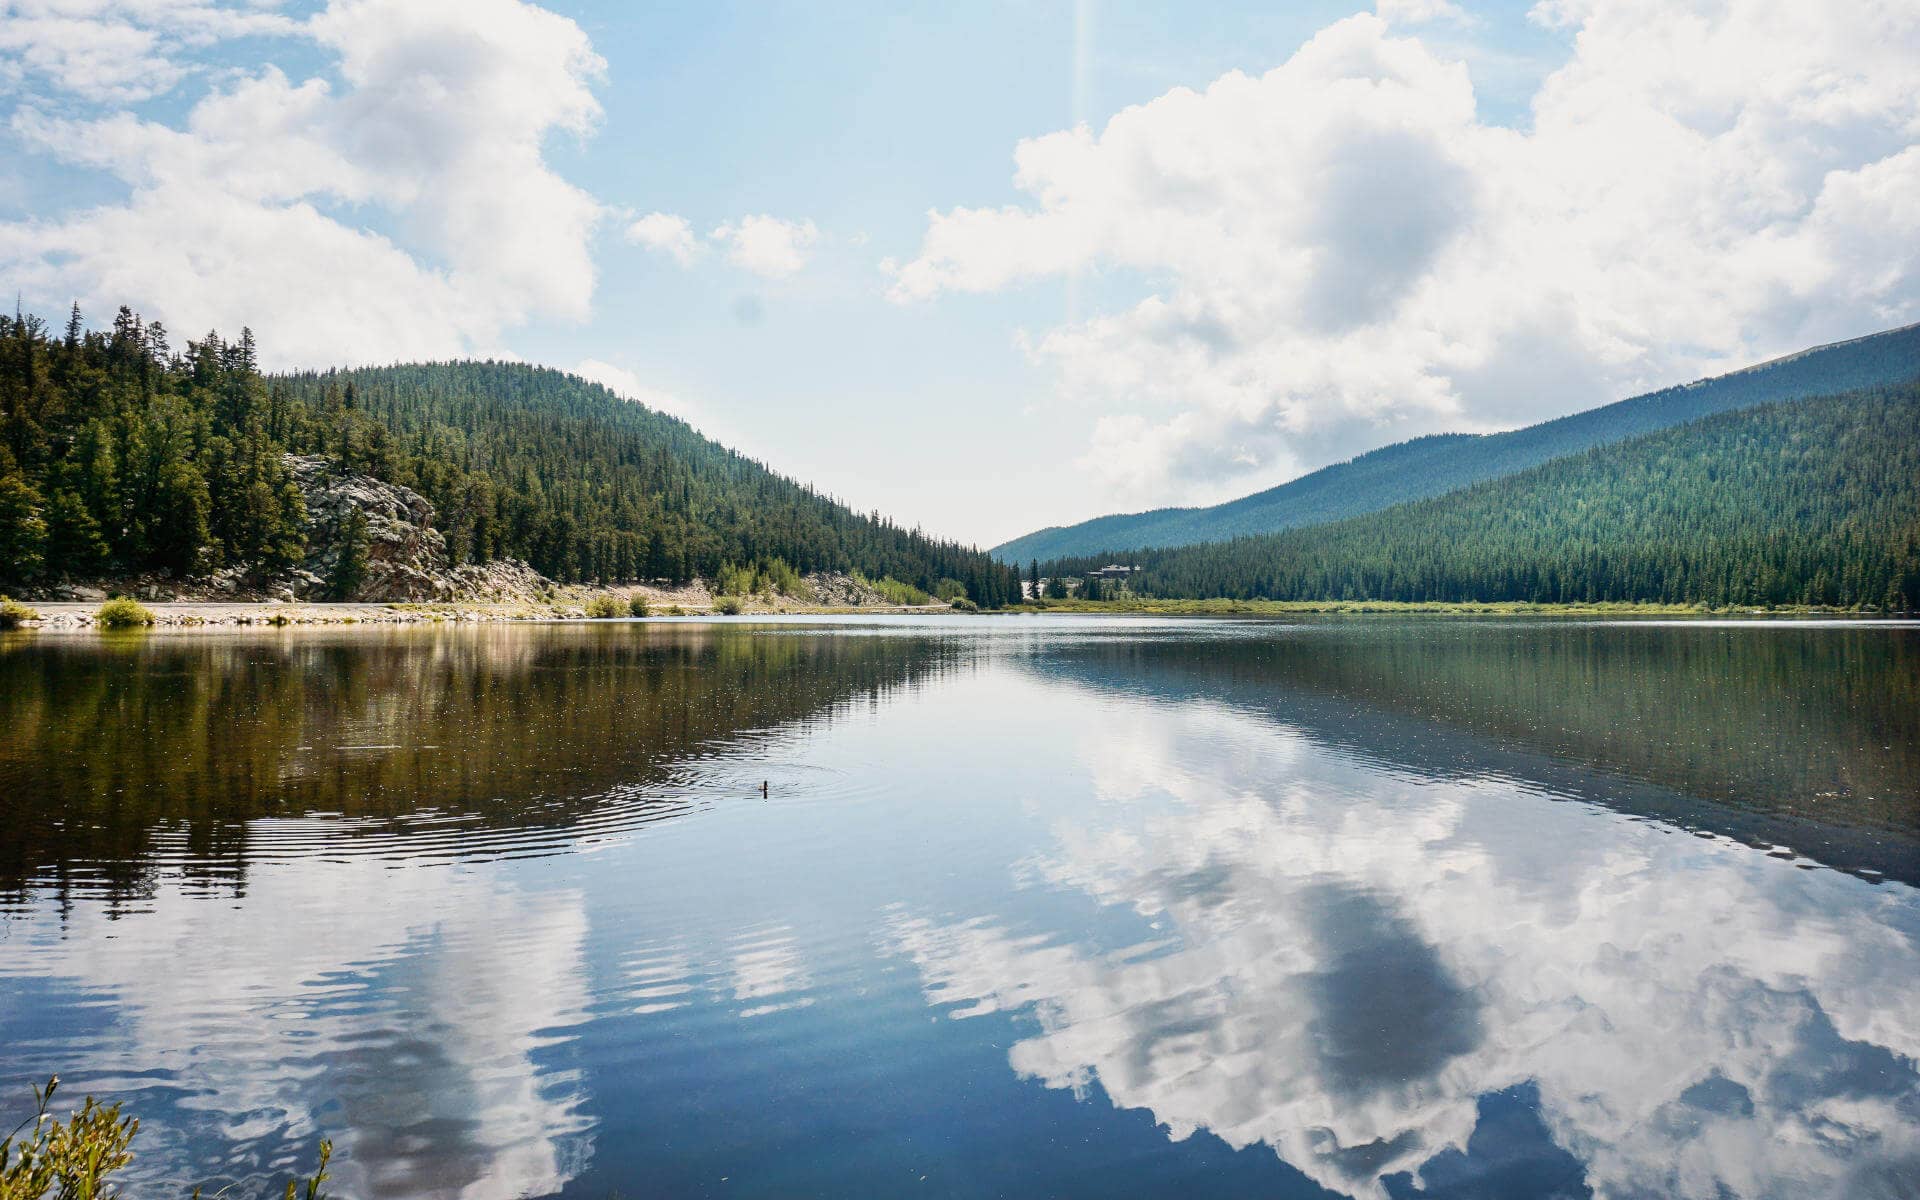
pixel 406 555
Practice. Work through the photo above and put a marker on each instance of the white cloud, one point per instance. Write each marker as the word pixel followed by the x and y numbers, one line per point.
pixel 253 210
pixel 668 234
pixel 767 246
pixel 1341 252
pixel 118 50
pixel 1420 12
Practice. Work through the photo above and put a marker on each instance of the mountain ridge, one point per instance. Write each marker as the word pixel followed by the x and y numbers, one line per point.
pixel 1434 464
pixel 1813 502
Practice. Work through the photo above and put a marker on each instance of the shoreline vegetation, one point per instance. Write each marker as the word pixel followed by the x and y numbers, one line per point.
pixel 213 614
pixel 630 604
pixel 1497 608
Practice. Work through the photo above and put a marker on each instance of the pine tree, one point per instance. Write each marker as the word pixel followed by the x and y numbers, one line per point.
pixel 350 566
pixel 75 543
pixel 23 531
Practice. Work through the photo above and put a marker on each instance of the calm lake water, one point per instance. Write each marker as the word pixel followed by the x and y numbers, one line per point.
pixel 1030 906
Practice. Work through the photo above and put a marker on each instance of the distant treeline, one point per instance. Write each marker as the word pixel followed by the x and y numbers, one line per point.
pixel 1802 502
pixel 120 454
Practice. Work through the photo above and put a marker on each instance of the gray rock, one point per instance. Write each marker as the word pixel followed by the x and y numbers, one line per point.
pixel 406 555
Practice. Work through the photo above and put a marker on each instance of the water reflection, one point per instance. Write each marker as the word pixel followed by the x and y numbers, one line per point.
pixel 1050 907
pixel 1352 965
pixel 403 1013
pixel 200 755
pixel 1772 734
pixel 263 888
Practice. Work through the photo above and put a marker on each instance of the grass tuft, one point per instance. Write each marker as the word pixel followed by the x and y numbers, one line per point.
pixel 14 614
pixel 122 613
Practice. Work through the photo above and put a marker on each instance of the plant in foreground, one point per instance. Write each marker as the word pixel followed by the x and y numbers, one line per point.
pixel 123 614
pixel 72 1160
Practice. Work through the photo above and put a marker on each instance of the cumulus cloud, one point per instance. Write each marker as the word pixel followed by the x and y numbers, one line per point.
pixel 256 209
pixel 1342 252
pixel 767 246
pixel 668 234
pixel 118 50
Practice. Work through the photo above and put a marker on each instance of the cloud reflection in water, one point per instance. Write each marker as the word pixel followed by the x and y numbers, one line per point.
pixel 398 1011
pixel 1353 965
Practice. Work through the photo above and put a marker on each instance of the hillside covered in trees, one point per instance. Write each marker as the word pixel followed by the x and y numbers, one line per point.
pixel 1804 502
pixel 121 454
pixel 1432 466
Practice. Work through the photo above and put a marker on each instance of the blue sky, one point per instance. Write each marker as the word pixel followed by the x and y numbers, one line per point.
pixel 1433 217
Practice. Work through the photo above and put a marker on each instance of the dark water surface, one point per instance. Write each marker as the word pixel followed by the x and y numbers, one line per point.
pixel 1032 907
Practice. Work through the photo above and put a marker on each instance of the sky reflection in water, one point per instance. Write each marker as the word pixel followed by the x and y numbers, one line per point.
pixel 1063 907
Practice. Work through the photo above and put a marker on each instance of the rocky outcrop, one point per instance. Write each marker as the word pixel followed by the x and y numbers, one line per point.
pixel 504 580
pixel 843 591
pixel 406 560
pixel 406 555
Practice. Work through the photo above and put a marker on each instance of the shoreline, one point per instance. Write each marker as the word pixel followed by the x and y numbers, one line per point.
pixel 1441 608
pixel 57 616
pixel 72 615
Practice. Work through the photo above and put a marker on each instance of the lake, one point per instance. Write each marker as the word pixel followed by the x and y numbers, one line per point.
pixel 1046 906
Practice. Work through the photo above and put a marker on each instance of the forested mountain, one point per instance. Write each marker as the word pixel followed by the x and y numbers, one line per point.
pixel 1430 466
pixel 118 454
pixel 1805 502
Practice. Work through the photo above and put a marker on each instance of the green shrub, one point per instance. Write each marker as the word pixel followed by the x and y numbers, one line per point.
pixel 72 1160
pixel 778 576
pixel 65 1160
pixel 605 606
pixel 893 590
pixel 13 614
pixel 762 575
pixel 728 606
pixel 123 614
pixel 636 605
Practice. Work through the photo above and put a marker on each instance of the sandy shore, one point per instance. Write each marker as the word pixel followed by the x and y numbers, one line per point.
pixel 62 615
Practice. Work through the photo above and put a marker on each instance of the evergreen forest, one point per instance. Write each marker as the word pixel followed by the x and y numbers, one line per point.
pixel 121 453
pixel 1441 463
pixel 1813 502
